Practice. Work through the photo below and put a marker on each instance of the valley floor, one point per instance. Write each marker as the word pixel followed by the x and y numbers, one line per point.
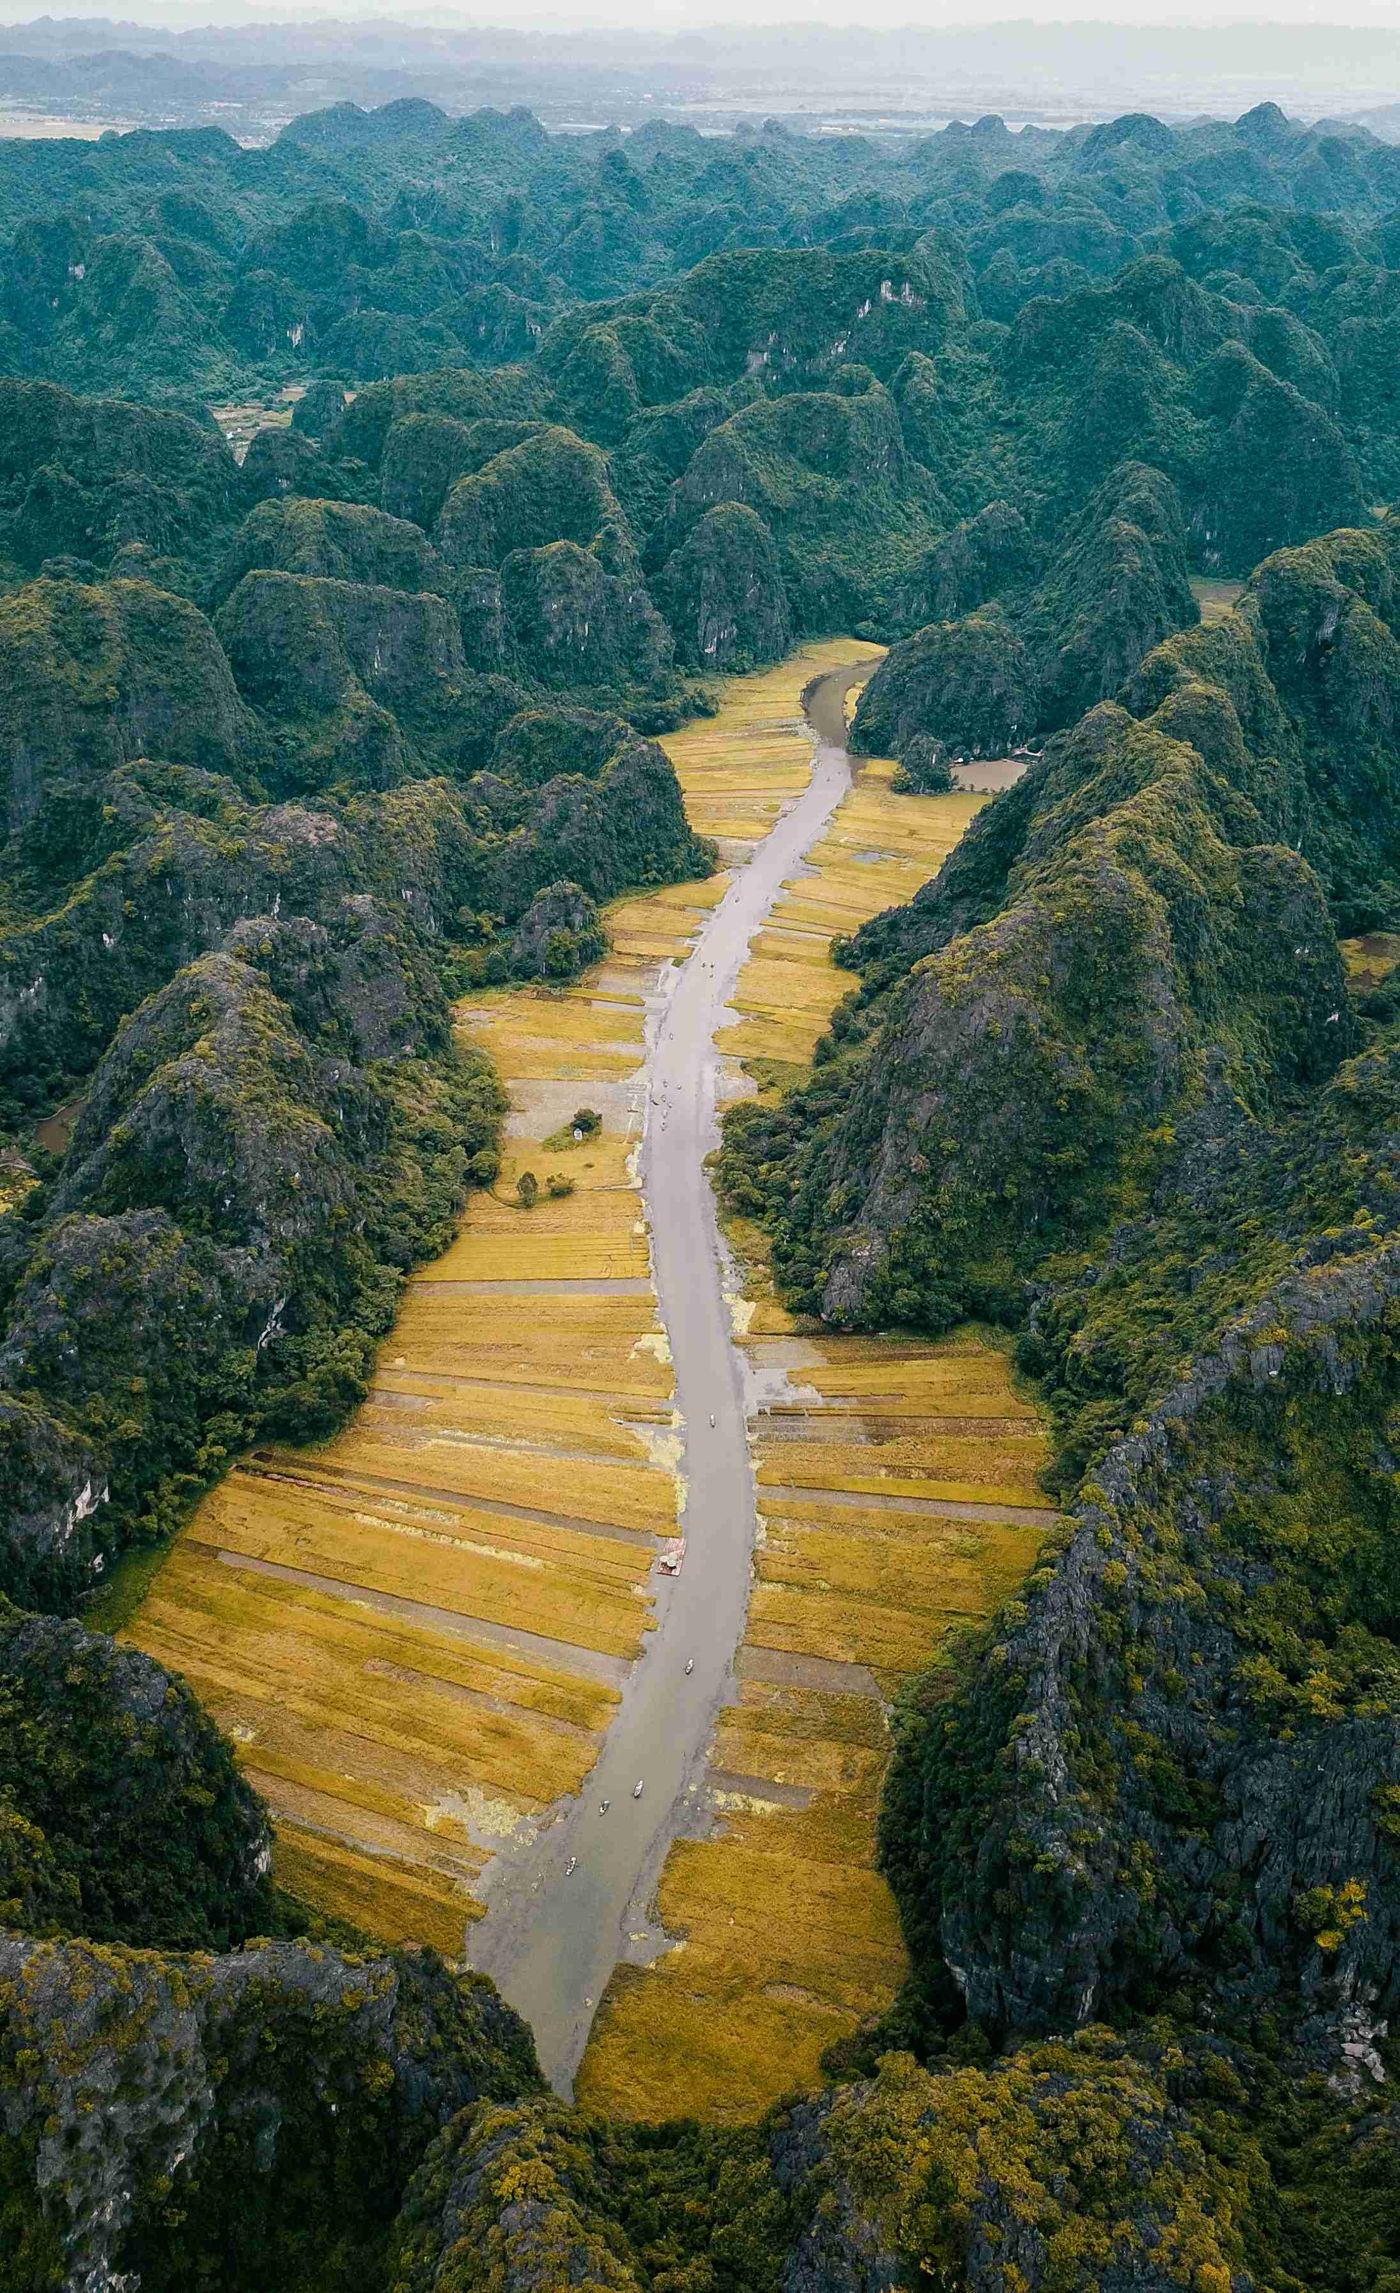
pixel 427 1634
pixel 897 1496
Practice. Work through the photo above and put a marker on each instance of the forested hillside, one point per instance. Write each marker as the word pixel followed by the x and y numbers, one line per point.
pixel 1098 432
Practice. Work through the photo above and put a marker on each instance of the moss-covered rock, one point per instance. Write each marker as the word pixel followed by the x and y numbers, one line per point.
pixel 829 474
pixel 968 685
pixel 358 680
pixel 425 455
pixel 1116 588
pixel 1020 1073
pixel 1200 1686
pixel 1070 2164
pixel 993 554
pixel 84 476
pixel 463 394
pixel 138 1827
pixel 336 541
pixel 722 592
pixel 540 743
pixel 1081 2164
pixel 319 408
pixel 94 676
pixel 53 1489
pixel 573 624
pixel 1276 468
pixel 558 935
pixel 626 826
pixel 168 2116
pixel 551 487
pixel 270 1142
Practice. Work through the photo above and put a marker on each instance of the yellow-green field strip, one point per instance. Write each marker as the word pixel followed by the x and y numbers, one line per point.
pixel 417 1633
pixel 898 1498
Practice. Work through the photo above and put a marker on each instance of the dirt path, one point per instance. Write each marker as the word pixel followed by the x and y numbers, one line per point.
pixel 552 1935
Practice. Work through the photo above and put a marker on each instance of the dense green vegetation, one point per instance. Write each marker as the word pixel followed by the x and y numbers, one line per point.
pixel 121 1814
pixel 260 2112
pixel 1103 1082
pixel 293 751
pixel 989 680
pixel 246 859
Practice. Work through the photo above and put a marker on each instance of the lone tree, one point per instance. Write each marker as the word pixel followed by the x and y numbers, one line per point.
pixel 923 768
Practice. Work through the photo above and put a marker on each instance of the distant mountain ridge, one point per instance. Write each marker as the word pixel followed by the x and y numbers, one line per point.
pixel 1052 72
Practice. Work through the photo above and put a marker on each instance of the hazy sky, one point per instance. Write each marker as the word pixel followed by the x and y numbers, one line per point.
pixel 1380 14
pixel 678 15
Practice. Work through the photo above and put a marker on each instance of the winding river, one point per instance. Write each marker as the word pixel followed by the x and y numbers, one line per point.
pixel 552 1934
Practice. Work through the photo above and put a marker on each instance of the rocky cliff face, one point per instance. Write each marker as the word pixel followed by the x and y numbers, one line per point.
pixel 723 593
pixel 93 677
pixel 332 541
pixel 1197 1697
pixel 173 892
pixel 573 622
pixel 512 2198
pixel 1000 1077
pixel 122 1816
pixel 359 683
pixel 993 554
pixel 1067 2164
pixel 255 2113
pixel 1013 1079
pixel 969 686
pixel 88 477
pixel 268 1142
pixel 1115 587
pixel 830 476
pixel 559 933
pixel 1164 1785
pixel 54 1486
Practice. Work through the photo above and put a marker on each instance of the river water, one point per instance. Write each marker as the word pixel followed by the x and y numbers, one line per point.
pixel 551 1941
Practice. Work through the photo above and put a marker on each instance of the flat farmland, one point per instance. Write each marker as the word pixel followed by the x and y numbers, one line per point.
pixel 877 852
pixel 418 1633
pixel 899 1499
pixel 871 1549
pixel 739 768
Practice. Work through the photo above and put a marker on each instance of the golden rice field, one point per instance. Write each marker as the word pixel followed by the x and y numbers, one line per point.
pixel 1216 599
pixel 738 769
pixel 417 1633
pixel 898 1498
pixel 877 852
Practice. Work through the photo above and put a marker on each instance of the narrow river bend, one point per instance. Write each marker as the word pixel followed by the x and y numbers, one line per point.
pixel 550 1940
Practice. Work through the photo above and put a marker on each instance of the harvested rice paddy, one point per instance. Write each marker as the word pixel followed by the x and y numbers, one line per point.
pixel 877 852
pixel 899 1498
pixel 417 1634
pixel 1216 599
pixel 738 769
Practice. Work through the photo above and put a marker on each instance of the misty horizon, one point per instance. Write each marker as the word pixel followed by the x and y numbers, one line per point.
pixel 252 69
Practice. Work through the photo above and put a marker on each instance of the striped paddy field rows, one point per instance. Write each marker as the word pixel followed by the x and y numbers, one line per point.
pixel 899 1499
pixel 417 1633
pixel 738 769
pixel 877 852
